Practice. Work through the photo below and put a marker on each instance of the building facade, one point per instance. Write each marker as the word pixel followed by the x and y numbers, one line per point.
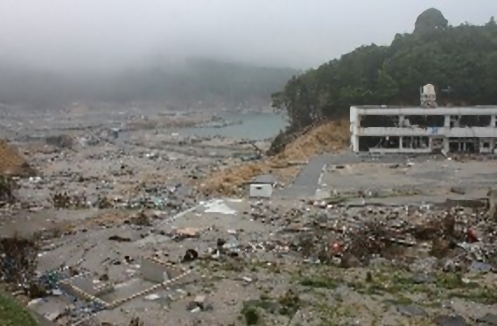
pixel 424 129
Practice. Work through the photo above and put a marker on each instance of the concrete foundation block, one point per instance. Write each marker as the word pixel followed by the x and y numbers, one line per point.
pixel 153 271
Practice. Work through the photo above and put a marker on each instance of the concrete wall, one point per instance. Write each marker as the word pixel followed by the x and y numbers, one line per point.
pixel 488 133
pixel 468 132
pixel 425 111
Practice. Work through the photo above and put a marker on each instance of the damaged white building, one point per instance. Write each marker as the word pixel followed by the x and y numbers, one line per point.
pixel 423 129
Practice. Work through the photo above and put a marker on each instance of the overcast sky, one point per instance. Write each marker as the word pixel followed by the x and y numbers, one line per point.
pixel 298 33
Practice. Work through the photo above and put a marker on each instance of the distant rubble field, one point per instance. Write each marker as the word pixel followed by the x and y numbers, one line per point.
pixel 328 137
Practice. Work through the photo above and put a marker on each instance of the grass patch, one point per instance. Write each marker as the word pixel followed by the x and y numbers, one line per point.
pixel 444 285
pixel 13 314
pixel 286 305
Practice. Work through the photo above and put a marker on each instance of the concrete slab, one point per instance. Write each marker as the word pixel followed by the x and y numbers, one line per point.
pixel 152 271
pixel 127 289
pixel 419 180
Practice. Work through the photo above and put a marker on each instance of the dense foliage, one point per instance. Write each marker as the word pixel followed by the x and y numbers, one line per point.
pixel 460 61
pixel 193 82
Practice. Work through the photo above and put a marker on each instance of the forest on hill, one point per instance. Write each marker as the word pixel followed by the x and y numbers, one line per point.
pixel 213 83
pixel 461 61
pixel 191 83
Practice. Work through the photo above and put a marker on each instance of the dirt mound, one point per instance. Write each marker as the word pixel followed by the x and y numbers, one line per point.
pixel 328 137
pixel 12 163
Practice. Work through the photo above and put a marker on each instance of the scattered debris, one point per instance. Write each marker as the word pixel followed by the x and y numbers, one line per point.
pixel 60 141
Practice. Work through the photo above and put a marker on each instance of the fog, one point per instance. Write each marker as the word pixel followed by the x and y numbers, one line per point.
pixel 107 34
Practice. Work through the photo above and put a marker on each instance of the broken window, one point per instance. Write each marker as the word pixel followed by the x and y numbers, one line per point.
pixel 367 142
pixel 415 142
pixel 425 121
pixel 475 121
pixel 454 121
pixel 464 145
pixel 437 144
pixel 385 121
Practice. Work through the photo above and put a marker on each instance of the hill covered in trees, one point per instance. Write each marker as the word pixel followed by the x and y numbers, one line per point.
pixel 194 82
pixel 213 83
pixel 461 61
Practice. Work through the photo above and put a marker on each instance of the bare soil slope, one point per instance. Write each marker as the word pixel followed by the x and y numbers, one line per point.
pixel 327 137
pixel 12 163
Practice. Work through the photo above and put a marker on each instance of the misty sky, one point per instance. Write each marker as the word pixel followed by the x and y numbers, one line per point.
pixel 298 33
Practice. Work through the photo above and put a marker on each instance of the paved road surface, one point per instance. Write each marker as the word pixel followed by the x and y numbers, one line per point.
pixel 306 183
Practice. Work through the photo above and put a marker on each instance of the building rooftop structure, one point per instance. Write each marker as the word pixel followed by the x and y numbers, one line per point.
pixel 423 129
pixel 264 179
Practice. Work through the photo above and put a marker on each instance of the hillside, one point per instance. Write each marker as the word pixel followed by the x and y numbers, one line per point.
pixel 211 82
pixel 202 83
pixel 461 61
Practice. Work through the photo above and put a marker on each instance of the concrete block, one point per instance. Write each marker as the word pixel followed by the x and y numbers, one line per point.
pixel 84 283
pixel 153 271
pixel 322 194
pixel 261 190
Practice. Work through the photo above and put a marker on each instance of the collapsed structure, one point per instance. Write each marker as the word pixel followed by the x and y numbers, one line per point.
pixel 424 129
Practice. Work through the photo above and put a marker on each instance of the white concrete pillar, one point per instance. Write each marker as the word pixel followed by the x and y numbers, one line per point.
pixel 447 121
pixel 355 122
pixel 446 145
pixel 354 143
pixel 492 121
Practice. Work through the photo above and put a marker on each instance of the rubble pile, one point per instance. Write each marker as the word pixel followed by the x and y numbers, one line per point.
pixel 462 235
pixel 60 141
pixel 18 261
pixel 61 200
